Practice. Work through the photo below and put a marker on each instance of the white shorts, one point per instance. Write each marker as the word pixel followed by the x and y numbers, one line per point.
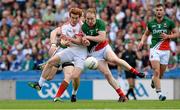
pixel 73 54
pixel 101 54
pixel 159 55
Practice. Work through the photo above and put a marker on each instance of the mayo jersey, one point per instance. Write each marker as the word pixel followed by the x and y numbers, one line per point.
pixel 93 31
pixel 156 29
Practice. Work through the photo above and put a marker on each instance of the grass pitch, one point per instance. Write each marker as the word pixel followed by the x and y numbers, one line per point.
pixel 89 104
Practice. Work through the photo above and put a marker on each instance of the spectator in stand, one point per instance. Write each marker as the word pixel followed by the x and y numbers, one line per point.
pixel 28 63
pixel 32 20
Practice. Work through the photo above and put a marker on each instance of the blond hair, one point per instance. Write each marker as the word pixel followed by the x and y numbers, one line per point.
pixel 91 10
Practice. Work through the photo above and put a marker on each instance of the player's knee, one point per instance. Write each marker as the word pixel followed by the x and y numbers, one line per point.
pixel 50 77
pixel 75 76
pixel 68 76
pixel 50 63
pixel 156 73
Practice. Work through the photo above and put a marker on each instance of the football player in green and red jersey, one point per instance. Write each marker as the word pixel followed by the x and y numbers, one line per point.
pixel 162 29
pixel 98 47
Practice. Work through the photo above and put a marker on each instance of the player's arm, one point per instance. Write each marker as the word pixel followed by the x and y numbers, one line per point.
pixel 53 40
pixel 101 33
pixel 99 38
pixel 53 35
pixel 76 39
pixel 174 34
pixel 144 38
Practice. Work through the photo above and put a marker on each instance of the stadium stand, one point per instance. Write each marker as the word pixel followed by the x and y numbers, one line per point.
pixel 25 26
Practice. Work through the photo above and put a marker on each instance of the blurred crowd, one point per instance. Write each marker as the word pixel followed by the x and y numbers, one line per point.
pixel 25 26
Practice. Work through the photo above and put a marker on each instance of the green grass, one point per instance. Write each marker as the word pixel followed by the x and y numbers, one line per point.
pixel 89 104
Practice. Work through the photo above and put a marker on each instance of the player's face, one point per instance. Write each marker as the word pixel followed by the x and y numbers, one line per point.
pixel 74 19
pixel 159 11
pixel 90 19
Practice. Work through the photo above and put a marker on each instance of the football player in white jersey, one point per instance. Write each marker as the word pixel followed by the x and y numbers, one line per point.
pixel 69 29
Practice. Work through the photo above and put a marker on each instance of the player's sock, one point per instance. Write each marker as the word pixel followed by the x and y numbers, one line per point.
pixel 41 81
pixel 132 70
pixel 159 92
pixel 74 92
pixel 139 74
pixel 62 88
pixel 120 92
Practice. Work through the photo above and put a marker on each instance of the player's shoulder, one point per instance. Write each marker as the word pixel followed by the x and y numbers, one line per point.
pixel 66 24
pixel 168 19
pixel 56 29
pixel 84 25
pixel 153 20
pixel 99 21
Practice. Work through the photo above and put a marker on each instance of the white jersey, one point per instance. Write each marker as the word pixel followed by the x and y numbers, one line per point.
pixel 70 31
pixel 75 53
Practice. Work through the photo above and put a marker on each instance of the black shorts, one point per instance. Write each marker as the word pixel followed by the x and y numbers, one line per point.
pixel 65 64
pixel 130 75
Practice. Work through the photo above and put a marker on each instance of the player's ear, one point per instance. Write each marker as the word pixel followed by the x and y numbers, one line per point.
pixel 154 11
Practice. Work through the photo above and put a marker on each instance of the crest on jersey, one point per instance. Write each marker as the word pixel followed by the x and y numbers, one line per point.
pixel 165 25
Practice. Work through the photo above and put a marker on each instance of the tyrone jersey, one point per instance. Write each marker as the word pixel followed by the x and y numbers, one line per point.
pixel 93 31
pixel 70 31
pixel 156 29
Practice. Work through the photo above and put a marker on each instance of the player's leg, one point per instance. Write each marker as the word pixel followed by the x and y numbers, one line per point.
pixel 64 84
pixel 47 74
pixel 79 66
pixel 103 67
pixel 156 80
pixel 162 70
pixel 75 83
pixel 164 59
pixel 112 57
pixel 68 77
pixel 131 81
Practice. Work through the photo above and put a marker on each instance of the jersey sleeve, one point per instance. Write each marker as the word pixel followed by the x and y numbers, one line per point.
pixel 63 29
pixel 149 26
pixel 102 25
pixel 82 28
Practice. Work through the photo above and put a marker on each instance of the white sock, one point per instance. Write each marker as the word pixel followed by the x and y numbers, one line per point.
pixel 159 93
pixel 41 81
pixel 74 92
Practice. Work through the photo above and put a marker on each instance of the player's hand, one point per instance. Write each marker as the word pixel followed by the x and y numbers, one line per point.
pixel 85 42
pixel 164 36
pixel 140 45
pixel 65 41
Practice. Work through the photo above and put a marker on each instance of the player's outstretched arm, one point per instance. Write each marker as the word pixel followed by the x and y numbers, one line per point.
pixel 77 39
pixel 174 34
pixel 99 38
pixel 144 38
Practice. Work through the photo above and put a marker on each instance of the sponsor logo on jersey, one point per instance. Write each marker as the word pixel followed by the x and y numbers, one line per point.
pixel 153 26
pixel 159 31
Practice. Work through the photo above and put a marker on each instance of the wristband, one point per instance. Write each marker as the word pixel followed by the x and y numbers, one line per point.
pixel 53 44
